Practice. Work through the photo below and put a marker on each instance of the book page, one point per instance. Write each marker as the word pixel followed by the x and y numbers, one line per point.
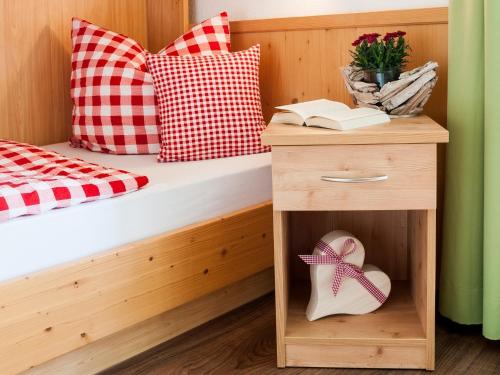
pixel 348 124
pixel 348 114
pixel 314 107
pixel 287 118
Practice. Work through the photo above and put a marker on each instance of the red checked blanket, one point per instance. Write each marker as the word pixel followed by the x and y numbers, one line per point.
pixel 34 180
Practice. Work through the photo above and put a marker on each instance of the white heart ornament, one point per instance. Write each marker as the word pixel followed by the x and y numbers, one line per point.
pixel 352 297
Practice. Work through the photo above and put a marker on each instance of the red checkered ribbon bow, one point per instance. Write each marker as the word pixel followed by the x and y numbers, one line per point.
pixel 343 269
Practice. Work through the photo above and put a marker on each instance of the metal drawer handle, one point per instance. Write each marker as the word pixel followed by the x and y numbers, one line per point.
pixel 355 179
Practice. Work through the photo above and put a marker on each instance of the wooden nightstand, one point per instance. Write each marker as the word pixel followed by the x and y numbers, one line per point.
pixel 379 183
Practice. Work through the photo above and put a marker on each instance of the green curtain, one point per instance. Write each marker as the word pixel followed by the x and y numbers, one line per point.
pixel 470 264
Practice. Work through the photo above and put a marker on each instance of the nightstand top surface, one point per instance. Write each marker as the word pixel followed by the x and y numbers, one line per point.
pixel 420 129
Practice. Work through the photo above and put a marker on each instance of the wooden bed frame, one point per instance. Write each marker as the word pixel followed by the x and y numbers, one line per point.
pixel 189 275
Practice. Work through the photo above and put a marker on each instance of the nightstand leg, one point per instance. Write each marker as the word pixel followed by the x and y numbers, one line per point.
pixel 281 281
pixel 422 243
pixel 431 288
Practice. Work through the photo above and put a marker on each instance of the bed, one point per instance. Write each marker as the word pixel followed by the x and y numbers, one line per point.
pixel 86 287
pixel 199 234
pixel 178 195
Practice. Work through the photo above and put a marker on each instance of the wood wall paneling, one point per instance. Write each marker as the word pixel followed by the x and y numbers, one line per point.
pixel 423 16
pixel 301 57
pixel 35 48
pixel 165 21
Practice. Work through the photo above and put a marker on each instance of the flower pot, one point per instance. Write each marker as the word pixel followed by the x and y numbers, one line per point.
pixel 380 77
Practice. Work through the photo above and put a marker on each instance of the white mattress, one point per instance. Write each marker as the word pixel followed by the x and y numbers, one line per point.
pixel 177 195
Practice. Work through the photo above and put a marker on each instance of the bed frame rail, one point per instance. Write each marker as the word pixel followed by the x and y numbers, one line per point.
pixel 53 312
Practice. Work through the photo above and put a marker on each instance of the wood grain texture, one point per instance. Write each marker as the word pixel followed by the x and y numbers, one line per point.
pixel 405 321
pixel 364 341
pixel 166 20
pixel 281 261
pixel 55 311
pixel 298 173
pixel 421 129
pixel 396 320
pixel 422 255
pixel 382 233
pixel 35 52
pixel 424 16
pixel 356 356
pixel 301 57
pixel 111 350
pixel 243 342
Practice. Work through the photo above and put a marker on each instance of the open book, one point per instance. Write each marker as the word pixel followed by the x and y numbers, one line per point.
pixel 329 114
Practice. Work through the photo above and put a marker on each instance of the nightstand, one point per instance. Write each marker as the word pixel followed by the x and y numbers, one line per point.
pixel 380 184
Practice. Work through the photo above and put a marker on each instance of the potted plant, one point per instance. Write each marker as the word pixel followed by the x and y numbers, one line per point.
pixel 381 59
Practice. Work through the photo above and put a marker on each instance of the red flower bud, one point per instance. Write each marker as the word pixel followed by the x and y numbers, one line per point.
pixel 401 33
pixel 362 37
pixel 390 36
pixel 356 42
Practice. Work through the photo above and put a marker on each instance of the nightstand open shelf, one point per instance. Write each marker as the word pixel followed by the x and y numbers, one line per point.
pixel 394 218
pixel 398 335
pixel 397 322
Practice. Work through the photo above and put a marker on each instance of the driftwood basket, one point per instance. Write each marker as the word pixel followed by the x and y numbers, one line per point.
pixel 403 97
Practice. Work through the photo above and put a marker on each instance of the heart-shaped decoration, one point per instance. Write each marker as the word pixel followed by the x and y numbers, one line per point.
pixel 337 267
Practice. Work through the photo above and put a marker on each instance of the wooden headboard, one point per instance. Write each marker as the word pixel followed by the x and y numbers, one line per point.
pixel 301 56
pixel 35 48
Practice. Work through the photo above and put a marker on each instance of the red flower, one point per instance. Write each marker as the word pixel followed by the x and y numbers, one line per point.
pixel 394 35
pixel 390 36
pixel 372 37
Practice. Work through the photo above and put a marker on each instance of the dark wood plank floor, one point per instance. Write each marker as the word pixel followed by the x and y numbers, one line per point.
pixel 242 342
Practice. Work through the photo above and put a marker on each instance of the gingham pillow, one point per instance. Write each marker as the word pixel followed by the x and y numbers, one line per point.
pixel 112 90
pixel 209 105
pixel 206 38
pixel 34 180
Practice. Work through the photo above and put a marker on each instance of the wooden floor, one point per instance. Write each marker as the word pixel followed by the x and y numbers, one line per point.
pixel 242 342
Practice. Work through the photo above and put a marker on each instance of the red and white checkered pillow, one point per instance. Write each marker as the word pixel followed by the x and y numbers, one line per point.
pixel 112 90
pixel 206 38
pixel 209 105
pixel 114 102
pixel 34 180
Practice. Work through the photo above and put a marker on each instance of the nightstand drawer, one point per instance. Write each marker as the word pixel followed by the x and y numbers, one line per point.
pixel 354 177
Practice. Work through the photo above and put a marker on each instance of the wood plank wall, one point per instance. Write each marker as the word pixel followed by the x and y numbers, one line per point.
pixel 301 57
pixel 35 48
pixel 166 20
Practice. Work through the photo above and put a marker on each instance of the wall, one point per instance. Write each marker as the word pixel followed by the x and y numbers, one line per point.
pixel 301 57
pixel 35 49
pixel 256 9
